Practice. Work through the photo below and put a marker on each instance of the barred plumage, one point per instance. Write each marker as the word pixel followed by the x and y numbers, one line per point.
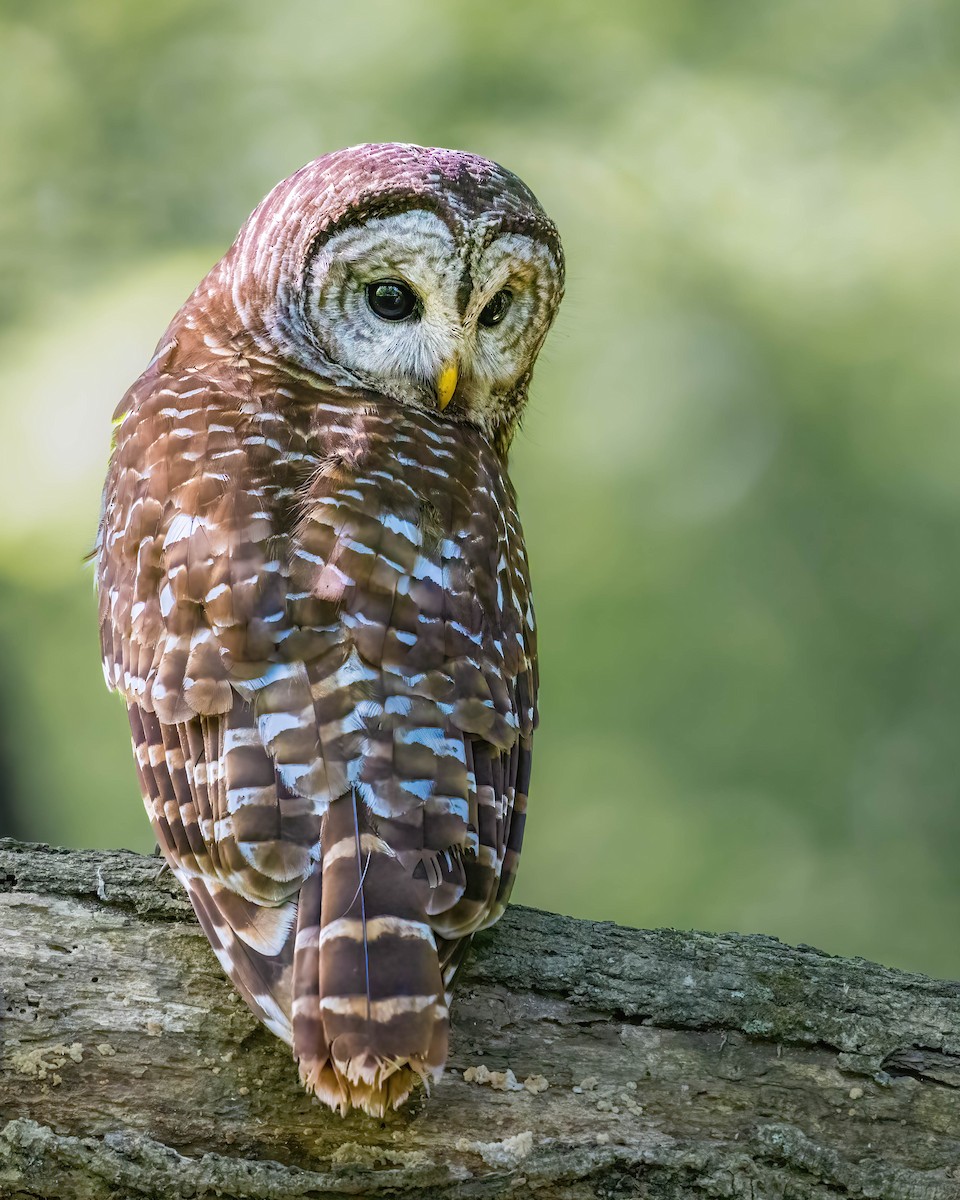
pixel 314 598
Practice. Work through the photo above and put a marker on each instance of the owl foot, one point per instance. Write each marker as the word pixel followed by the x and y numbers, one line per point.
pixel 164 865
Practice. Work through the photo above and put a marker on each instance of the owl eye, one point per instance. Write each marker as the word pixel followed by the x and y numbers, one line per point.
pixel 496 308
pixel 390 300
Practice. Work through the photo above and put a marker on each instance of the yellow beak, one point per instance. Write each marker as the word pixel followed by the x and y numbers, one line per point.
pixel 447 384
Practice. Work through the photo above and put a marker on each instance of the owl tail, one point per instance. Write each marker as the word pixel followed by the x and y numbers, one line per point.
pixel 369 1013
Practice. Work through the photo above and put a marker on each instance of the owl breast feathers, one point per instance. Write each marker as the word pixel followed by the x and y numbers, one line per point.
pixel 314 597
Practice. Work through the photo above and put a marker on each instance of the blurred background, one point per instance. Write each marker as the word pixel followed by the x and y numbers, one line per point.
pixel 739 474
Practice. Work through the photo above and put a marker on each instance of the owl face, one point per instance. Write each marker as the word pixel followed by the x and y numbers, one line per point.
pixel 428 276
pixel 430 319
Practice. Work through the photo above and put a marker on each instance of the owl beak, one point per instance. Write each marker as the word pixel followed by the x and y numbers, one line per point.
pixel 447 384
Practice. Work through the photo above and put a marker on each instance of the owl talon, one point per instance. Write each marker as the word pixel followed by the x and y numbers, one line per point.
pixel 164 865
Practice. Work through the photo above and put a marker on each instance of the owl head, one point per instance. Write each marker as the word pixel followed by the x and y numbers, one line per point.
pixel 428 276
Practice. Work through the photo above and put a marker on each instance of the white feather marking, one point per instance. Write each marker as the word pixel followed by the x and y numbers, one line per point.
pixel 271 725
pixel 291 773
pixel 405 528
pixel 381 1010
pixel 243 797
pixel 435 740
pixel 167 601
pixel 421 788
pixel 352 927
pixel 235 738
pixel 424 568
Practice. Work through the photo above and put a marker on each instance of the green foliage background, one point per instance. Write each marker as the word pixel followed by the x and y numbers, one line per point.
pixel 739 474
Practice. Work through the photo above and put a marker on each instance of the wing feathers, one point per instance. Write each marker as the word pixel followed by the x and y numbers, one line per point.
pixel 320 619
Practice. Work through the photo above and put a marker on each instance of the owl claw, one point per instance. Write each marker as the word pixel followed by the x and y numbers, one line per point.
pixel 164 865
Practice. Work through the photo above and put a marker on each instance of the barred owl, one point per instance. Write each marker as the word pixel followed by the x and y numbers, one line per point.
pixel 314 597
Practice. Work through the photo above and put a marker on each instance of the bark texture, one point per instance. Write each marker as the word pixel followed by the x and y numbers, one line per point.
pixel 588 1060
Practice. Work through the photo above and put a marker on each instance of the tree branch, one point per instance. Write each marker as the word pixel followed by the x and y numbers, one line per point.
pixel 657 1064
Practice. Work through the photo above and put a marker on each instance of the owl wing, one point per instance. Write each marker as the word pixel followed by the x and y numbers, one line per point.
pixel 428 709
pixel 425 712
pixel 192 605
